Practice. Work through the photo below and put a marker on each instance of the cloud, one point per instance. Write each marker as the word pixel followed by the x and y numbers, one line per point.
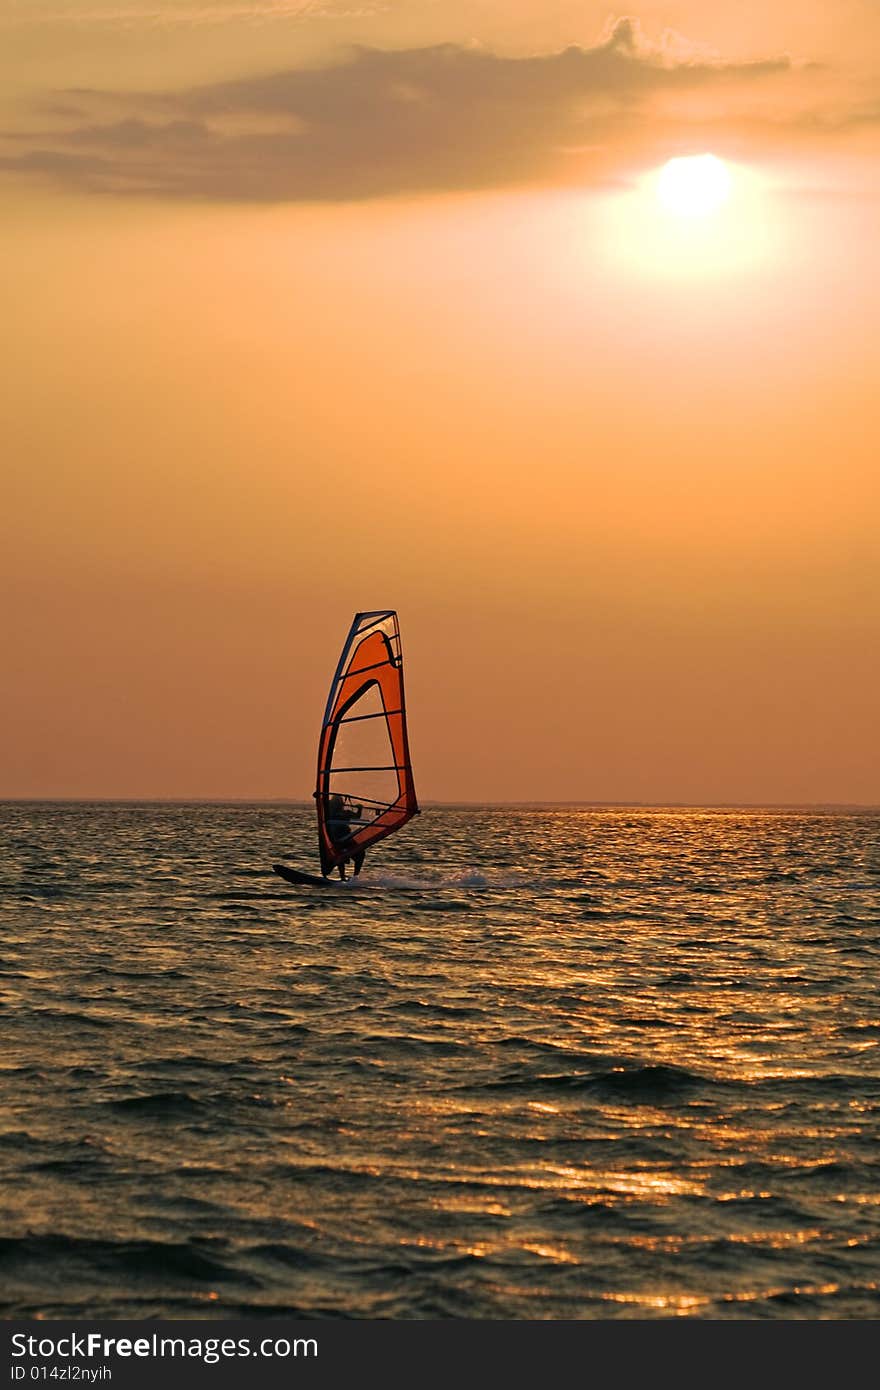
pixel 18 14
pixel 382 123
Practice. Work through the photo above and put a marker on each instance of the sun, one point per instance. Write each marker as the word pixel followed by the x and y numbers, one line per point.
pixel 695 216
pixel 694 185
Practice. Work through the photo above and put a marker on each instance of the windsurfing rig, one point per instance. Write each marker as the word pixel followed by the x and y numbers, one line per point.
pixel 365 788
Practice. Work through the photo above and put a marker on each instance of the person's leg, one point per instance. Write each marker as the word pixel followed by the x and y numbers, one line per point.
pixel 342 871
pixel 358 861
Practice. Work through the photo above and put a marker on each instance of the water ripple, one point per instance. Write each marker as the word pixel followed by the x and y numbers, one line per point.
pixel 637 1079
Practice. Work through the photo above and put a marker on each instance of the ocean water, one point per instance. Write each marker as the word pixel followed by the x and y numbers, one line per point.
pixel 540 1063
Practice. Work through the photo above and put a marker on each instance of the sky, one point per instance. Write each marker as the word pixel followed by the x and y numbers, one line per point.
pixel 322 307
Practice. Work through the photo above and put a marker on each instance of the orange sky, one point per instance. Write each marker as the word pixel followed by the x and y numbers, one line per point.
pixel 297 329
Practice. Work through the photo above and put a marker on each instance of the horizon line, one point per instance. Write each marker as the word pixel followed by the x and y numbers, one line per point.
pixel 435 803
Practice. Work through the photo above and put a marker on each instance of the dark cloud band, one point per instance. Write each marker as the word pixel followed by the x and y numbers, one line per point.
pixel 379 123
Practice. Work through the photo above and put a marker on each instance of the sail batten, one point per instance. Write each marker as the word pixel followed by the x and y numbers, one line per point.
pixel 386 767
pixel 365 787
pixel 380 714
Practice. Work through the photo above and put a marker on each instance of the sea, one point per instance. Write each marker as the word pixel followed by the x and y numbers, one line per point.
pixel 559 1062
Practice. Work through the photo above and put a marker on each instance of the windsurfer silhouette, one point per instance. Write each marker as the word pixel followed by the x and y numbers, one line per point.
pixel 339 818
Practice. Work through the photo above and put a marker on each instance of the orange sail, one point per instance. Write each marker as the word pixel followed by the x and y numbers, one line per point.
pixel 365 785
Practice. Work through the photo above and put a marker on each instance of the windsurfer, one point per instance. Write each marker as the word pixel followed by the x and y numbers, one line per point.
pixel 339 818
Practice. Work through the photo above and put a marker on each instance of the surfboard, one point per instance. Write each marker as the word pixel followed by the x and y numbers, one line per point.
pixel 294 876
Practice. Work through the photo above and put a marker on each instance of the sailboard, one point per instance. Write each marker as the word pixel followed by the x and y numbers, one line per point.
pixel 295 876
pixel 365 789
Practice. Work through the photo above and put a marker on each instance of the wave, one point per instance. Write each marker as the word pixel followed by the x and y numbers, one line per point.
pixel 165 1104
pixel 653 1082
pixel 70 1016
pixel 137 1258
